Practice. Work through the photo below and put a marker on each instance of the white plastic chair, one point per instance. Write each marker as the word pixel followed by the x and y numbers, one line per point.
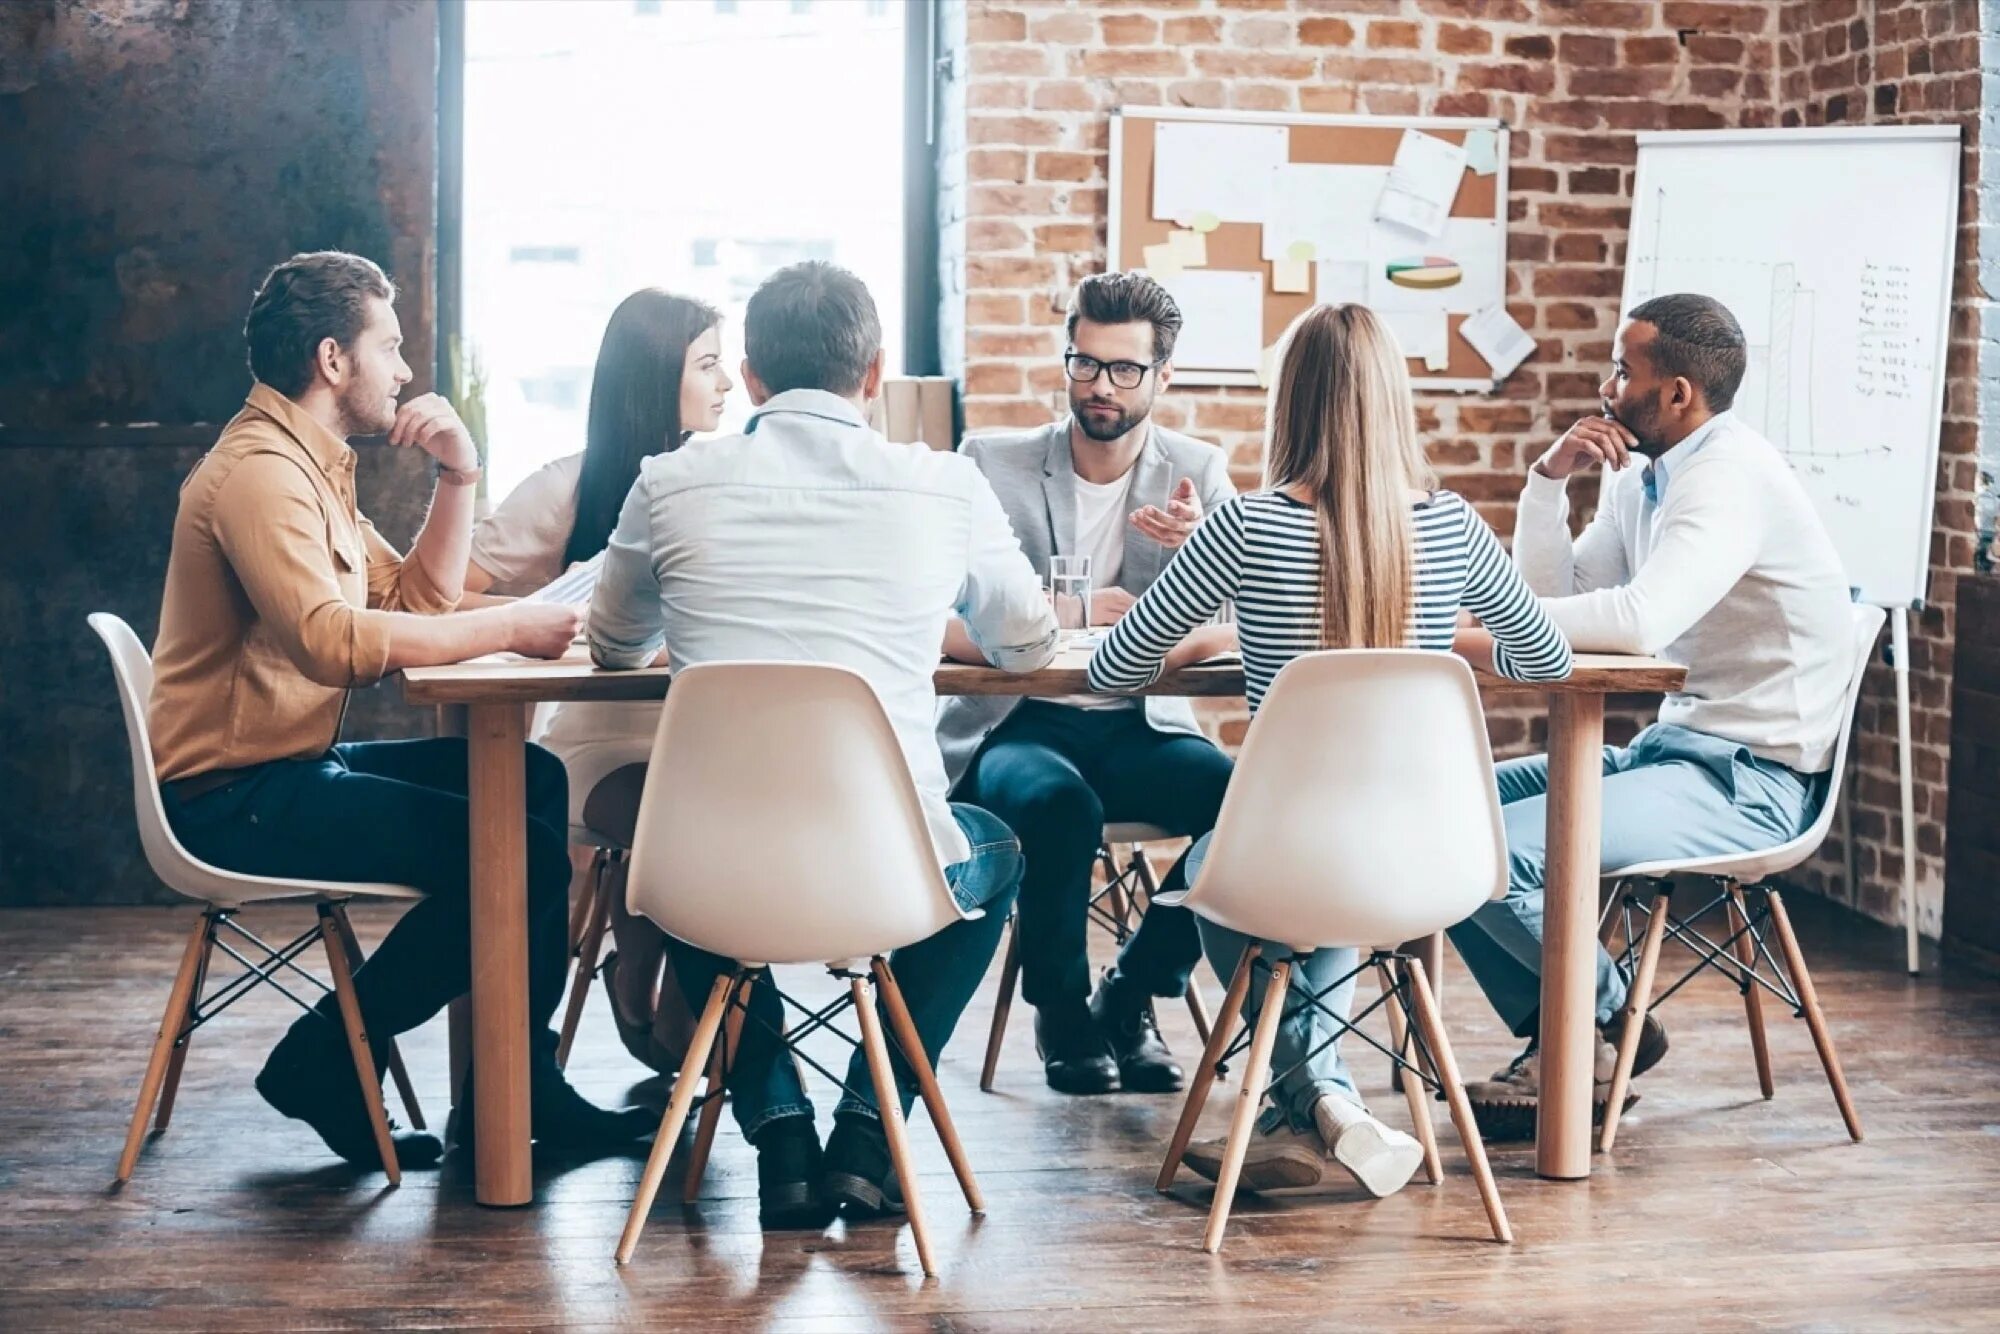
pixel 1129 888
pixel 1362 810
pixel 779 825
pixel 223 893
pixel 1740 954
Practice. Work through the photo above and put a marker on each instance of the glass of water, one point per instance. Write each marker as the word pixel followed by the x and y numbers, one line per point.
pixel 1069 591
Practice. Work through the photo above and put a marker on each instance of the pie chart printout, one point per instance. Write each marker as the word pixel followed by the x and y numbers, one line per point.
pixel 1425 273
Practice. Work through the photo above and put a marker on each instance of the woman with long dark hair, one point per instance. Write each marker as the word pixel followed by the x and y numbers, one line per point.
pixel 658 380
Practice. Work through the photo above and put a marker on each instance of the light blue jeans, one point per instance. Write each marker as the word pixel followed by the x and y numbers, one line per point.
pixel 1672 793
pixel 1303 1079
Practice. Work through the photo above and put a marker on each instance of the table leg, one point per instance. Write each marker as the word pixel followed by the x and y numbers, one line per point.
pixel 497 736
pixel 1569 937
pixel 458 1027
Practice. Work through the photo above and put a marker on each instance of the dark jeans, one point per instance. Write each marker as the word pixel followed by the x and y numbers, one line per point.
pixel 937 977
pixel 394 811
pixel 1056 774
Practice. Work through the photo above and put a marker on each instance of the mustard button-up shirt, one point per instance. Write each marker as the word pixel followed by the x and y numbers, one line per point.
pixel 279 597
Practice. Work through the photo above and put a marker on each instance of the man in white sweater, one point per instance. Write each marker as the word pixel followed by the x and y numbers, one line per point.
pixel 1706 551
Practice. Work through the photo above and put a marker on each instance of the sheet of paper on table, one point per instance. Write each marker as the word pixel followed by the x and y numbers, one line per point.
pixel 1422 184
pixel 1223 170
pixel 573 587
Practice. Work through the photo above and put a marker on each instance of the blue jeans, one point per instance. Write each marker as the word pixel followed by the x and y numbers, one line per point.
pixel 1673 793
pixel 1302 1079
pixel 937 977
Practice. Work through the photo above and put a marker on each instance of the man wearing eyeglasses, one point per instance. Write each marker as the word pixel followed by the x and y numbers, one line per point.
pixel 1108 483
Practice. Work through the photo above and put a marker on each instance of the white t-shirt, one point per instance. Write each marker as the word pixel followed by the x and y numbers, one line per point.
pixel 1100 535
pixel 521 544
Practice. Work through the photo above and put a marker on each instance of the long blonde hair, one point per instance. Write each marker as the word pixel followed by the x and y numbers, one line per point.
pixel 1343 427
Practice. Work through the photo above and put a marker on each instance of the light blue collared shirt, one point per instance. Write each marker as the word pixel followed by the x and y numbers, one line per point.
pixel 810 538
pixel 1661 470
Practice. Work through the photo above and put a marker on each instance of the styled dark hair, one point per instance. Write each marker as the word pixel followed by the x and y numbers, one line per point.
pixel 1697 337
pixel 635 406
pixel 811 325
pixel 1123 298
pixel 303 302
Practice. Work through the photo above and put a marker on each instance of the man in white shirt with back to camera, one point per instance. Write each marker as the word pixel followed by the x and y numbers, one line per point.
pixel 810 538
pixel 1706 551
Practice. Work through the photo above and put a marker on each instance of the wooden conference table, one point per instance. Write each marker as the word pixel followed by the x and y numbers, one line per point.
pixel 494 691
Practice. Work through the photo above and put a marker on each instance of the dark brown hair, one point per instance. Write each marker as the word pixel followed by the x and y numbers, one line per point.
pixel 1124 298
pixel 303 302
pixel 635 406
pixel 811 325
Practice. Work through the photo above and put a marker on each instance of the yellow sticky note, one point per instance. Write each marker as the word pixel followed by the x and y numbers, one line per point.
pixel 1291 275
pixel 1190 248
pixel 1205 222
pixel 1161 260
pixel 1301 251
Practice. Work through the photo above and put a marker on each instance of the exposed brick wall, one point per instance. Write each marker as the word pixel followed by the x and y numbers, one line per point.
pixel 1889 62
pixel 1575 79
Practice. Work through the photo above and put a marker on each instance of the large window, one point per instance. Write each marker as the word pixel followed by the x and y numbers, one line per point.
pixel 695 147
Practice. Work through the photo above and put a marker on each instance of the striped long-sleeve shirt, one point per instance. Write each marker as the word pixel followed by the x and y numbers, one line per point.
pixel 1261 550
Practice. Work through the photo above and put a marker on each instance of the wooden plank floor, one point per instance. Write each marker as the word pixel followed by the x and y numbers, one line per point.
pixel 1718 1209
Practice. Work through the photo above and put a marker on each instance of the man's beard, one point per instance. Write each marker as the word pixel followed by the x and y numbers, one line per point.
pixel 364 412
pixel 1101 428
pixel 1643 427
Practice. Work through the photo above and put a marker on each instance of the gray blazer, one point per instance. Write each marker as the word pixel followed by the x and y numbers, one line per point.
pixel 1032 475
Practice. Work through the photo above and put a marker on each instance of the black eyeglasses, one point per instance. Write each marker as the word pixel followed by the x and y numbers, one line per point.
pixel 1124 374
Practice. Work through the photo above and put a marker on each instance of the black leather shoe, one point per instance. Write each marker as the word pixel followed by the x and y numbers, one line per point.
pixel 1074 1056
pixel 860 1176
pixel 561 1120
pixel 1123 1016
pixel 788 1175
pixel 310 1077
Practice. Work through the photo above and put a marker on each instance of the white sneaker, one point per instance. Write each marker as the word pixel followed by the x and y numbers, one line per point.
pixel 1381 1158
pixel 1276 1159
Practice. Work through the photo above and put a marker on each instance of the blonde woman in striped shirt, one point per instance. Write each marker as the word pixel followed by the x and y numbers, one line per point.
pixel 1349 545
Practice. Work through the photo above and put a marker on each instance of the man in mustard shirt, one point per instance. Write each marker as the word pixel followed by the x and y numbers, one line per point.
pixel 280 598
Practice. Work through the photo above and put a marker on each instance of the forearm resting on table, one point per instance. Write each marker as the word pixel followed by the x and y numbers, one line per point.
pixel 958 645
pixel 1475 646
pixel 431 641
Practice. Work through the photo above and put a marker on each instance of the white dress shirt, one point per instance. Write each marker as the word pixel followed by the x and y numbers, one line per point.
pixel 1711 557
pixel 809 538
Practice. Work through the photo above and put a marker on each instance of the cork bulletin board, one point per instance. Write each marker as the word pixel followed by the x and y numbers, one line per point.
pixel 1468 256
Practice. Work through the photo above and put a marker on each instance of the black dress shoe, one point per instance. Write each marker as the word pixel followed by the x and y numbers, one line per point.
pixel 1074 1056
pixel 1124 1018
pixel 860 1176
pixel 310 1077
pixel 788 1175
pixel 560 1119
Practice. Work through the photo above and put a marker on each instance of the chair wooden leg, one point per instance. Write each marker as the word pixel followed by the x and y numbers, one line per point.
pixel 1753 1000
pixel 676 1115
pixel 1198 1010
pixel 1243 1121
pixel 905 1031
pixel 1454 1091
pixel 1795 964
pixel 405 1089
pixel 889 1102
pixel 186 1036
pixel 587 951
pixel 718 1077
pixel 1414 1091
pixel 1205 1075
pixel 1010 977
pixel 1637 998
pixel 163 1043
pixel 1431 950
pixel 357 1044
pixel 586 870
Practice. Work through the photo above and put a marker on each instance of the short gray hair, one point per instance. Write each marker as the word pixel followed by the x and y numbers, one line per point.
pixel 812 326
pixel 1696 337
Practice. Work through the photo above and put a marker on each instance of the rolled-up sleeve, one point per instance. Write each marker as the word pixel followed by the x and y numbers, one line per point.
pixel 269 524
pixel 626 627
pixel 1001 602
pixel 397 582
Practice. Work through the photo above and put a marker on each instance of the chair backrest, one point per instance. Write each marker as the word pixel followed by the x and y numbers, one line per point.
pixel 1754 866
pixel 133 667
pixel 1363 809
pixel 779 822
